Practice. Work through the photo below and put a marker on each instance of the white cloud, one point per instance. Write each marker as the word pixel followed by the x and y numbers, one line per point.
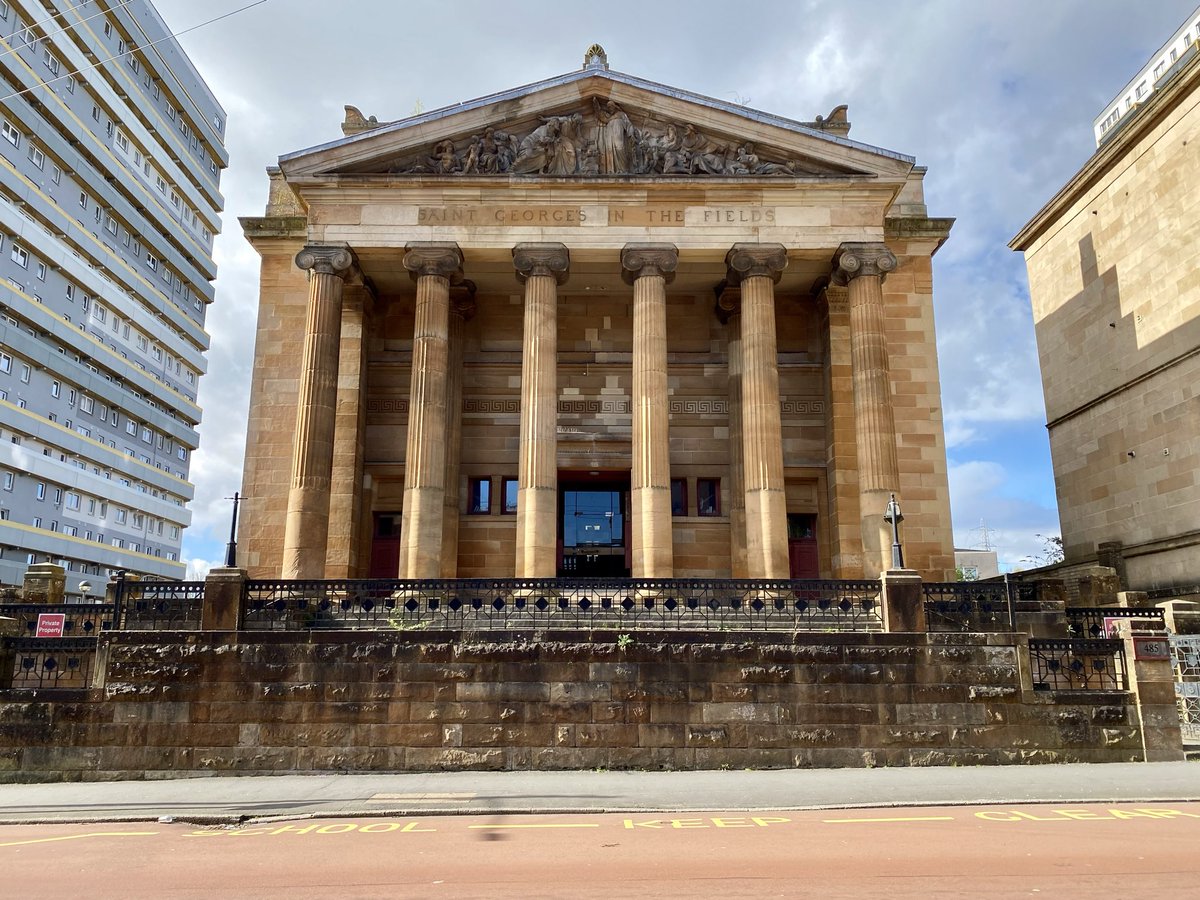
pixel 985 512
pixel 197 569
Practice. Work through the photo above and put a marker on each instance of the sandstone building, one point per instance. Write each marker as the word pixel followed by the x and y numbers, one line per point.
pixel 594 326
pixel 1114 276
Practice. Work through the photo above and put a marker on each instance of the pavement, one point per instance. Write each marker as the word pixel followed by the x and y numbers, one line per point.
pixel 228 800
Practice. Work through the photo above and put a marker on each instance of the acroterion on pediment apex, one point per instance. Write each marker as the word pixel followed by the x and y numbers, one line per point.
pixel 595 58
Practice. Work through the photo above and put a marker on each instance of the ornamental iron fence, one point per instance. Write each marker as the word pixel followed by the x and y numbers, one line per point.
pixel 51 663
pixel 1088 621
pixel 978 606
pixel 79 620
pixel 1185 658
pixel 1078 665
pixel 517 603
pixel 158 605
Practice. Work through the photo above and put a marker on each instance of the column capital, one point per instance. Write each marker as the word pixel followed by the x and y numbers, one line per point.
pixel 649 259
pixel 754 260
pixel 855 259
pixel 327 259
pixel 541 259
pixel 462 300
pixel 440 258
pixel 729 301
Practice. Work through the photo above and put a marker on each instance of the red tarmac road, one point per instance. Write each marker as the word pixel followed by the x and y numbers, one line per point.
pixel 1130 850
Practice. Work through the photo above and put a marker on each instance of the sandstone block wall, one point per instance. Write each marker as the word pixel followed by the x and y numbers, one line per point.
pixel 182 704
pixel 1114 276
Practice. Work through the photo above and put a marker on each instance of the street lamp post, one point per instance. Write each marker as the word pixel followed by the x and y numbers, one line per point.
pixel 231 547
pixel 894 517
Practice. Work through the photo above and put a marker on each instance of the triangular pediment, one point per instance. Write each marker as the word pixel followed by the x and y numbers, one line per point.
pixel 594 124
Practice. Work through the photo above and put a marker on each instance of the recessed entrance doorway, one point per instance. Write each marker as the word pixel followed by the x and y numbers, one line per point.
pixel 593 525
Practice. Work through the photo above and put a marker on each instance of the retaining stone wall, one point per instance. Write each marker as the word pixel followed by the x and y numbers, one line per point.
pixel 213 703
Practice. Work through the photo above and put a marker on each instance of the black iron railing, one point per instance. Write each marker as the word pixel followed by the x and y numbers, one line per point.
pixel 476 604
pixel 80 620
pixel 51 663
pixel 969 606
pixel 158 605
pixel 1078 665
pixel 1088 622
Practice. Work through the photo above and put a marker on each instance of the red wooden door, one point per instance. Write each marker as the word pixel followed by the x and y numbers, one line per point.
pixel 385 546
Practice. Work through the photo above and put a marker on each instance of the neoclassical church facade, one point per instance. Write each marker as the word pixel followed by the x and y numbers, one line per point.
pixel 594 327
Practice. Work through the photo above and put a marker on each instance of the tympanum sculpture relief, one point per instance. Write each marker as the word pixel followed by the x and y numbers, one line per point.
pixel 606 142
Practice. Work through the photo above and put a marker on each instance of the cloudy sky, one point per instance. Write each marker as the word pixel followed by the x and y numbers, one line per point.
pixel 996 97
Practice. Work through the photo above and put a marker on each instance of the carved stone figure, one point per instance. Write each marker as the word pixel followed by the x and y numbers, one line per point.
pixel 589 160
pixel 647 154
pixel 676 160
pixel 615 137
pixel 705 158
pixel 536 149
pixel 444 160
pixel 560 146
pixel 470 163
pixel 551 148
pixel 565 159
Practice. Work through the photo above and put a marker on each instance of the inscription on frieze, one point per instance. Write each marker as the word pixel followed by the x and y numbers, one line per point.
pixel 501 215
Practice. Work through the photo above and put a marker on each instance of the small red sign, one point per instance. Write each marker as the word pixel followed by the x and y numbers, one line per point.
pixel 51 625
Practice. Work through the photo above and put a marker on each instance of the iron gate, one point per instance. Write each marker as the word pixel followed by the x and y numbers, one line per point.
pixel 1185 656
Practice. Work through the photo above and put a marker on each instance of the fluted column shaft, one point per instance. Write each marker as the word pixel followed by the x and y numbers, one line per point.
pixel 757 267
pixel 649 267
pixel 862 268
pixel 432 265
pixel 542 267
pixel 349 441
pixel 462 308
pixel 306 529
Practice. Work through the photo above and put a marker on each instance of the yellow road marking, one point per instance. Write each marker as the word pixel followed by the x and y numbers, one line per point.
pixel 892 819
pixel 565 825
pixel 74 837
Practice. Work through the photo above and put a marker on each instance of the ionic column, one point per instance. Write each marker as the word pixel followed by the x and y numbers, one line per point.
pixel 432 265
pixel 729 311
pixel 542 267
pixel 862 267
pixel 462 309
pixel 756 268
pixel 649 267
pixel 306 529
